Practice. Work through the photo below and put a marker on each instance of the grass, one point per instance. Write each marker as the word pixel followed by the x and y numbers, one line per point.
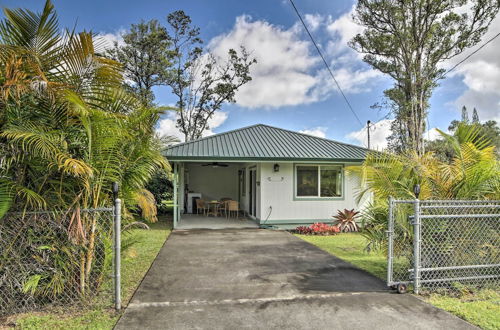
pixel 350 247
pixel 168 206
pixel 136 261
pixel 481 308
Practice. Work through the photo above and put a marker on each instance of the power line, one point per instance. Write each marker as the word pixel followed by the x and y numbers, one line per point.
pixel 470 55
pixel 326 63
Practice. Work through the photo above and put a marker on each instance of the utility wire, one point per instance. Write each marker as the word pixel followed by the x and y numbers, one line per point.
pixel 326 63
pixel 470 55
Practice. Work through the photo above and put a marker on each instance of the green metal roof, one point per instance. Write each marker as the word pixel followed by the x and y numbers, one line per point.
pixel 262 142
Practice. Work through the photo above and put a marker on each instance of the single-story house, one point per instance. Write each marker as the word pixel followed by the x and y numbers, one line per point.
pixel 279 177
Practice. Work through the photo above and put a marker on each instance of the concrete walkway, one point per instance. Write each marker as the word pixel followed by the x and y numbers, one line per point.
pixel 263 279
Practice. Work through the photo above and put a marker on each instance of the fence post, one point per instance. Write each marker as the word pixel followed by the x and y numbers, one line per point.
pixel 416 247
pixel 390 237
pixel 117 256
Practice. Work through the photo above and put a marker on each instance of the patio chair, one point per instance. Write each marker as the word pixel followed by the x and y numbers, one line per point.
pixel 233 207
pixel 223 205
pixel 201 206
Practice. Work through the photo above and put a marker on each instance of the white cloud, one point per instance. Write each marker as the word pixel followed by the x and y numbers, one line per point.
pixel 288 70
pixel 313 21
pixel 378 135
pixel 432 135
pixel 352 74
pixel 344 28
pixel 315 131
pixel 107 40
pixel 284 73
pixel 217 119
pixel 352 80
pixel 481 74
pixel 167 126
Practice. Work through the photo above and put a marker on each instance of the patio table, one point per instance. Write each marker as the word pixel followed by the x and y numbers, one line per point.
pixel 213 208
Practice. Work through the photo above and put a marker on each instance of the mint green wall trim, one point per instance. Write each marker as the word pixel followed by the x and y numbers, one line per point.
pixel 292 224
pixel 295 221
pixel 312 198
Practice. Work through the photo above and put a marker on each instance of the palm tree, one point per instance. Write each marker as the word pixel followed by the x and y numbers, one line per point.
pixel 68 129
pixel 473 173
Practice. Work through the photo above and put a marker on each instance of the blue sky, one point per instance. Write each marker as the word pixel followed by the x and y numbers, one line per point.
pixel 290 87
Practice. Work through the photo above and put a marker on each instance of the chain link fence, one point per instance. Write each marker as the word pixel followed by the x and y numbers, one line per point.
pixel 55 259
pixel 439 244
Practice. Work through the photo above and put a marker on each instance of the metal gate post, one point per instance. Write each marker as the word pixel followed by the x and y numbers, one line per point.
pixel 390 242
pixel 416 247
pixel 117 256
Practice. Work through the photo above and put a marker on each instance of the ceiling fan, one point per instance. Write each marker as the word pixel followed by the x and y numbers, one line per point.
pixel 215 165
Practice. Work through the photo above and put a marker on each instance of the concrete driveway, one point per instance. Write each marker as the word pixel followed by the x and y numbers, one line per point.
pixel 264 279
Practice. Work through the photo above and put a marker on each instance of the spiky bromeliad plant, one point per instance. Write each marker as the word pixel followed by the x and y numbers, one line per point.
pixel 346 220
pixel 68 130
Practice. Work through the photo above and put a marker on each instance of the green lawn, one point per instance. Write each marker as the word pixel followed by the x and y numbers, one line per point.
pixel 167 207
pixel 481 308
pixel 136 261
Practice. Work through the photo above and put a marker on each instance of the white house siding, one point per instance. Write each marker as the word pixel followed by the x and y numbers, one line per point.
pixel 277 191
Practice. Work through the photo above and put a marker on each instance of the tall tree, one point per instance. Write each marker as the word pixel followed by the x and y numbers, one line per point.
pixel 201 81
pixel 465 115
pixel 145 56
pixel 475 117
pixel 408 39
pixel 488 130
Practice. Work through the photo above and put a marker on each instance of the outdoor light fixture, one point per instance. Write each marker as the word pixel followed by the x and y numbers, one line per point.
pixel 416 190
pixel 276 167
pixel 115 189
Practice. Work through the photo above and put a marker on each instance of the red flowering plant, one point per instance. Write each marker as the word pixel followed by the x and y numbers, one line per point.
pixel 303 230
pixel 318 228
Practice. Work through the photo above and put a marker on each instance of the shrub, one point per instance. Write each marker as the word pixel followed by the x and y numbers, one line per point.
pixel 318 228
pixel 303 230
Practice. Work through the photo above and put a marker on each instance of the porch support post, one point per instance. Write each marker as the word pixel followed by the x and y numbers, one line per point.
pixel 176 202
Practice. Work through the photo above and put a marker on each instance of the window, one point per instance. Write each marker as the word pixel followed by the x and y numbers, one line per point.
pixel 320 181
pixel 307 181
pixel 331 181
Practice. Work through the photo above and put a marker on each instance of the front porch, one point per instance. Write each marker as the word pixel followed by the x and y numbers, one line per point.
pixel 209 185
pixel 199 221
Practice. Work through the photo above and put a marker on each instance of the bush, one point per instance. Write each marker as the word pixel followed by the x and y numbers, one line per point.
pixel 165 207
pixel 318 228
pixel 303 230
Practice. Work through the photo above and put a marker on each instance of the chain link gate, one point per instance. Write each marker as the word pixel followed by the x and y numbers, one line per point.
pixel 435 244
